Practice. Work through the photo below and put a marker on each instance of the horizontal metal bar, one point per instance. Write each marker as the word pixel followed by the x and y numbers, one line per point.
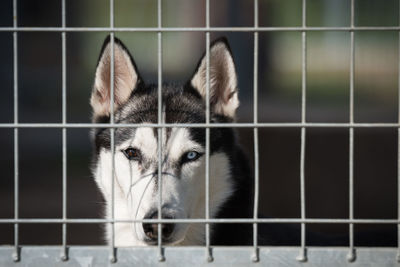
pixel 195 29
pixel 202 125
pixel 213 220
pixel 194 256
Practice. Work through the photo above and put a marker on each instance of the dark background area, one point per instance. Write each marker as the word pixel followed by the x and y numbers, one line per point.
pixel 327 149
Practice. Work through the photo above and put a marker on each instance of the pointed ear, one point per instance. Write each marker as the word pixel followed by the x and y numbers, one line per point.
pixel 223 80
pixel 126 78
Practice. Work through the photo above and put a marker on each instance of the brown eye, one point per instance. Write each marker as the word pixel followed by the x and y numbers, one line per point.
pixel 132 153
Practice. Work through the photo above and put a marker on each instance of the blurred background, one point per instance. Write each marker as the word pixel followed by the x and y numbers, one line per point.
pixel 328 83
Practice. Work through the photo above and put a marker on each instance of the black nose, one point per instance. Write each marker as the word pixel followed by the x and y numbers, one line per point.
pixel 151 229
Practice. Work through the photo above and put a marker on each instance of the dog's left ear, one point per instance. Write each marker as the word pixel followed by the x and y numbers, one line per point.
pixel 126 78
pixel 223 81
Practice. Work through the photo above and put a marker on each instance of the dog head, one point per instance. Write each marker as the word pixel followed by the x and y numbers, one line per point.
pixel 136 153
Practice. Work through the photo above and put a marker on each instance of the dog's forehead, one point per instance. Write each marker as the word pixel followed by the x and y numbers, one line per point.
pixel 178 106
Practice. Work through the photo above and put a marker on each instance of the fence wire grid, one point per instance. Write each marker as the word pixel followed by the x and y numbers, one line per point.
pixel 243 255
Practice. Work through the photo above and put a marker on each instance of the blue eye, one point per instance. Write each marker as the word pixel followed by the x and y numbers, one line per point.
pixel 190 156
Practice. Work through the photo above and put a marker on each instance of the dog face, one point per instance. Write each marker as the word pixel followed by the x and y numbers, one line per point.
pixel 136 153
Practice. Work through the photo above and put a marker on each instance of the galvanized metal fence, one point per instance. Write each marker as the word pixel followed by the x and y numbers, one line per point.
pixel 221 256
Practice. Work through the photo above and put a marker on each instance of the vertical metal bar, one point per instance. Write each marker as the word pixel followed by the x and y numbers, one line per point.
pixel 303 252
pixel 16 254
pixel 160 131
pixel 352 255
pixel 207 167
pixel 113 256
pixel 64 252
pixel 398 146
pixel 255 132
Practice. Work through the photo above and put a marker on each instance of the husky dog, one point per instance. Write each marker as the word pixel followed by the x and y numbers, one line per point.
pixel 183 152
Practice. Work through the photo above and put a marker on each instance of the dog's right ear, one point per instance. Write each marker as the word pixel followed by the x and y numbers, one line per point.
pixel 126 78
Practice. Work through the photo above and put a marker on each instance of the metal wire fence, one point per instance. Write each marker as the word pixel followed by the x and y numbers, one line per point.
pixel 232 256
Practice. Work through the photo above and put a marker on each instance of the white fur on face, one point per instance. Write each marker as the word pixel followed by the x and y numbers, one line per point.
pixel 136 193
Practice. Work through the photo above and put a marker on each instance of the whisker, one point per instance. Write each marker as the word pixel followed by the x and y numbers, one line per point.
pixel 141 198
pixel 170 174
pixel 140 179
